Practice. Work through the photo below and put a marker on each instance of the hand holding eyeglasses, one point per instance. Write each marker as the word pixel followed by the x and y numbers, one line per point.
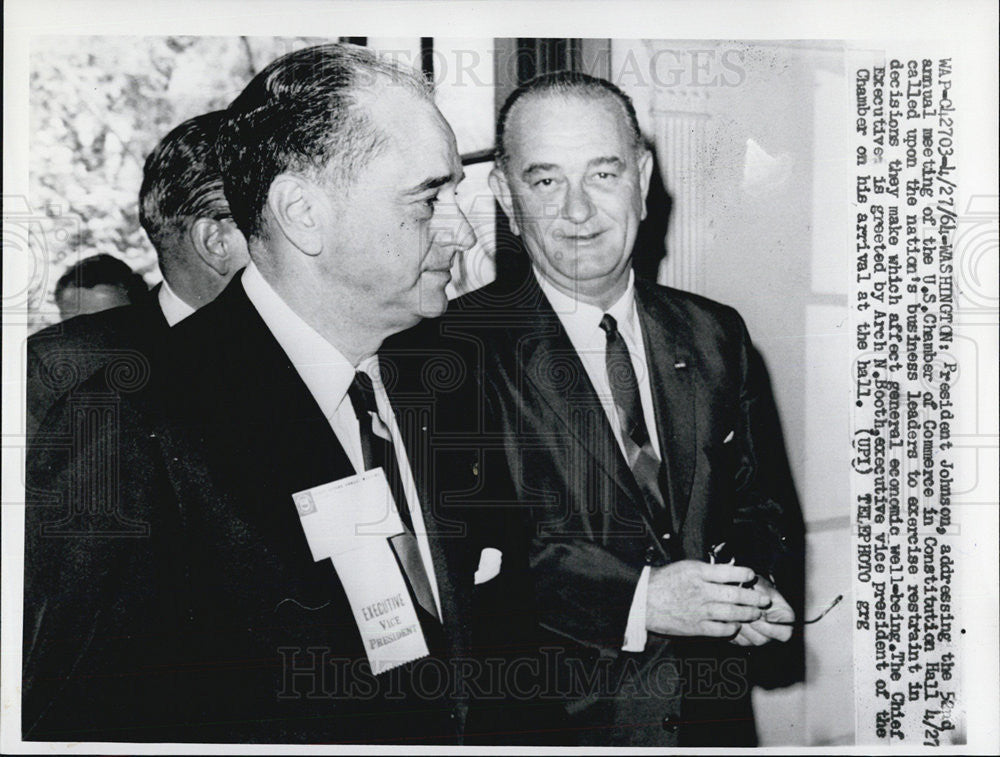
pixel 778 620
pixel 774 625
pixel 692 598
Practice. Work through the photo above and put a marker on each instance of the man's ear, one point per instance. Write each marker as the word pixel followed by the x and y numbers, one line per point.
pixel 210 240
pixel 645 174
pixel 295 211
pixel 501 191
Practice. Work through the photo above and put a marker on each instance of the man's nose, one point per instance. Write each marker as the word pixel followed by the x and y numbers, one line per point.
pixel 455 229
pixel 577 206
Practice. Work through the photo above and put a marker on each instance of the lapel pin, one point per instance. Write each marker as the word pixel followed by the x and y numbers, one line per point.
pixel 680 364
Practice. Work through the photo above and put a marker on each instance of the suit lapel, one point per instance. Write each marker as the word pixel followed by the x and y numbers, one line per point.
pixel 254 408
pixel 673 395
pixel 283 418
pixel 412 409
pixel 556 373
pixel 151 314
pixel 286 423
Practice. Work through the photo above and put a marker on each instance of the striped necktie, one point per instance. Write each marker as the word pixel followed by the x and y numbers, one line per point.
pixel 646 466
pixel 377 452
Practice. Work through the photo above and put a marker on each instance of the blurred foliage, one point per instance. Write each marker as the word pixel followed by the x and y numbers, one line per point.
pixel 98 106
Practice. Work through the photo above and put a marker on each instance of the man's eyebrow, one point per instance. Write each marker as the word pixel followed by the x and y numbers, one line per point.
pixel 434 182
pixel 534 168
pixel 604 160
pixel 608 160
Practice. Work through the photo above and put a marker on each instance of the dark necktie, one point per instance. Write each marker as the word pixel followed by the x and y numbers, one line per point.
pixel 377 452
pixel 646 466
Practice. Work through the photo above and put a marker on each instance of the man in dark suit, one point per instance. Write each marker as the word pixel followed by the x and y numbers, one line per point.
pixel 183 209
pixel 631 415
pixel 204 604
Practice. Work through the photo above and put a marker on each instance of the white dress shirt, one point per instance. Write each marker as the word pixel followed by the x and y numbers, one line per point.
pixel 582 324
pixel 327 375
pixel 174 308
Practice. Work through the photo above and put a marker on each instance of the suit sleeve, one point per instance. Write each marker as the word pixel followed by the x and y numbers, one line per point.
pixel 40 393
pixel 760 532
pixel 96 593
pixel 584 591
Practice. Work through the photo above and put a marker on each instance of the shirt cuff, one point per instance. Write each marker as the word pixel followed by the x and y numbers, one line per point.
pixel 635 628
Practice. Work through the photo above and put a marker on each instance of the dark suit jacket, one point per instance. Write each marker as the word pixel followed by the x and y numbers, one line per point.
pixel 63 356
pixel 591 533
pixel 170 592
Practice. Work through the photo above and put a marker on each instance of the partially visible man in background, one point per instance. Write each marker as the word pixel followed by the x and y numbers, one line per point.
pixel 183 209
pixel 97 283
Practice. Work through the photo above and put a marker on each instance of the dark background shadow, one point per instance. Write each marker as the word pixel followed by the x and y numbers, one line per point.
pixel 651 240
pixel 778 665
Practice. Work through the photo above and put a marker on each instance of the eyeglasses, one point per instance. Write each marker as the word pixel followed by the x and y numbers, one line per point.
pixel 713 557
pixel 818 618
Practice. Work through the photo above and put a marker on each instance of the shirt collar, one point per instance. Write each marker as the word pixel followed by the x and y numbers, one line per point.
pixel 173 307
pixel 582 320
pixel 323 368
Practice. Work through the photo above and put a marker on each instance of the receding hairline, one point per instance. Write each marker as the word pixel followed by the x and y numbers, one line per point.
pixel 307 113
pixel 391 119
pixel 581 93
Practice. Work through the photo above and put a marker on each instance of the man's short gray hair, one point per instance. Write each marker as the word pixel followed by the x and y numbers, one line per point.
pixel 303 113
pixel 566 84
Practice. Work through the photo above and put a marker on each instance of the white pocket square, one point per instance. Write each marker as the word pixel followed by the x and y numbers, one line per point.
pixel 729 437
pixel 489 565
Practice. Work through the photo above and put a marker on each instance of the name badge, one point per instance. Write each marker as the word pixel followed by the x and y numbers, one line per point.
pixel 350 521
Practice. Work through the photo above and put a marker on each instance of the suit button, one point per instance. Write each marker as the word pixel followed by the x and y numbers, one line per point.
pixel 670 725
pixel 650 555
pixel 666 536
